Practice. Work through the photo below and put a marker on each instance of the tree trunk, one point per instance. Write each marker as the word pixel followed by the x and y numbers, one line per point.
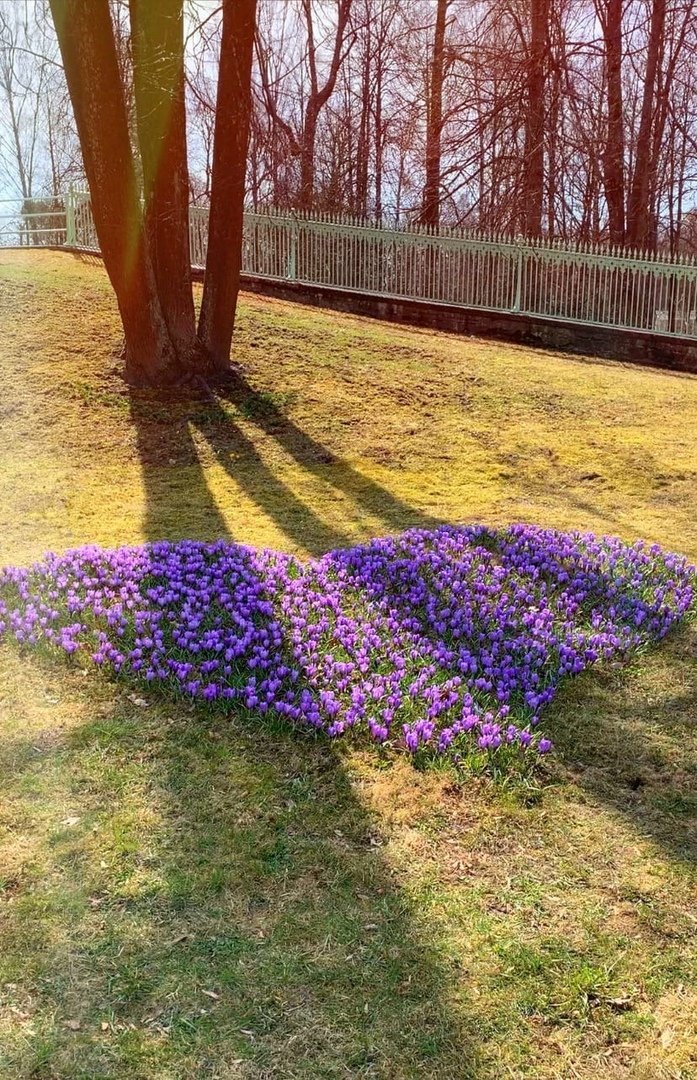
pixel 306 191
pixel 86 40
pixel 430 208
pixel 360 202
pixel 613 160
pixel 534 152
pixel 379 136
pixel 157 34
pixel 232 116
pixel 639 209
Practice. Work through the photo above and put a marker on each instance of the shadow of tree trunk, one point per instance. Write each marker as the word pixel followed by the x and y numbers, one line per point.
pixel 224 905
pixel 179 502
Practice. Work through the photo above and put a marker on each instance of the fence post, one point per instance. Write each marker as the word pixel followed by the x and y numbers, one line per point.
pixel 518 276
pixel 70 228
pixel 292 269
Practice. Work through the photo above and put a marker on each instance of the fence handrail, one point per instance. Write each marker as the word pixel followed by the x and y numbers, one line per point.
pixel 490 241
pixel 441 233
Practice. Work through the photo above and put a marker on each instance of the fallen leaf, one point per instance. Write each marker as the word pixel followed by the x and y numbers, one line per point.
pixel 139 701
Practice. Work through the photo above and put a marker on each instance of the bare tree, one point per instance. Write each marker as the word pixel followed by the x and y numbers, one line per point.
pixel 318 87
pixel 430 212
pixel 535 116
pixel 23 78
pixel 577 118
pixel 639 209
pixel 610 15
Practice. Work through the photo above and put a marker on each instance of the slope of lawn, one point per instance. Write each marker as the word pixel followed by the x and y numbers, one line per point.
pixel 184 892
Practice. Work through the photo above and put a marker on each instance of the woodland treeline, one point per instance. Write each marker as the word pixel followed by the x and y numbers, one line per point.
pixel 569 118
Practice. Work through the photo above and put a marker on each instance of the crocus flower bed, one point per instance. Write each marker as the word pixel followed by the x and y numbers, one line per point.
pixel 448 641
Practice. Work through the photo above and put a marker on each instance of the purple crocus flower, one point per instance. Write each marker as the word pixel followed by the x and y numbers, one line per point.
pixel 446 639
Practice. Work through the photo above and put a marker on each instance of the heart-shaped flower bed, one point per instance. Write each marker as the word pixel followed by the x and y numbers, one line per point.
pixel 451 640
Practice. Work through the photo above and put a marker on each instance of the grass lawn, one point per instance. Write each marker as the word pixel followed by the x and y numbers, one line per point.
pixel 189 894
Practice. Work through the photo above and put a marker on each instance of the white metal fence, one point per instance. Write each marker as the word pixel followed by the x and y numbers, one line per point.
pixel 590 285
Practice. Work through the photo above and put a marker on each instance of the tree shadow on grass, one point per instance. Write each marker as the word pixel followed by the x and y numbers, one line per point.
pixel 318 460
pixel 222 906
pixel 255 873
pixel 244 465
pixel 179 502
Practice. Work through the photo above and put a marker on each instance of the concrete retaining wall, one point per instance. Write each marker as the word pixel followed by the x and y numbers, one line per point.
pixel 632 346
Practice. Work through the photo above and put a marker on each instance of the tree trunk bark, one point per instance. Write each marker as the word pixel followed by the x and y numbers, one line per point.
pixel 86 39
pixel 157 34
pixel 613 162
pixel 534 152
pixel 639 210
pixel 306 191
pixel 232 116
pixel 430 208
pixel 378 148
pixel 360 203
